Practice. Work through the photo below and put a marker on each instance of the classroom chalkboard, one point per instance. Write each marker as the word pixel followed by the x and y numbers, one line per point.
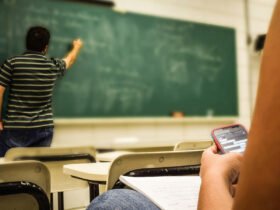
pixel 131 64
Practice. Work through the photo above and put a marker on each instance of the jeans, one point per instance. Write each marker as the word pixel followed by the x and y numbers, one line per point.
pixel 122 199
pixel 35 137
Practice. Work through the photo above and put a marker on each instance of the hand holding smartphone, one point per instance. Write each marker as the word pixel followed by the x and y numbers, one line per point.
pixel 232 138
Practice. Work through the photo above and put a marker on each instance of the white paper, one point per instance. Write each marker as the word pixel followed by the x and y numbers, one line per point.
pixel 167 192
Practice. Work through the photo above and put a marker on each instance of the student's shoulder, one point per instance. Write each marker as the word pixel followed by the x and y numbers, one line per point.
pixel 9 61
pixel 29 57
pixel 13 59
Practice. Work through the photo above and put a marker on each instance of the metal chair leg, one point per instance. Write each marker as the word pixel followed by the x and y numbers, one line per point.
pixel 51 202
pixel 60 201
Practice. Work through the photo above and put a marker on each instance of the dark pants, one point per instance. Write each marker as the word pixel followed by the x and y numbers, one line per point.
pixel 35 137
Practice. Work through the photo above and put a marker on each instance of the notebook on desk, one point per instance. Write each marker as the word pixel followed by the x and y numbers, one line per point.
pixel 167 192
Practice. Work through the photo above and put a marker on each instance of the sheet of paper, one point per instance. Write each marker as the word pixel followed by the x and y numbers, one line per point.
pixel 167 192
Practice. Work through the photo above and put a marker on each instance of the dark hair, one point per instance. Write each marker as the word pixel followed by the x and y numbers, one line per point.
pixel 259 44
pixel 37 38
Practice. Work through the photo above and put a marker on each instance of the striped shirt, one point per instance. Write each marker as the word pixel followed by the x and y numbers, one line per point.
pixel 31 78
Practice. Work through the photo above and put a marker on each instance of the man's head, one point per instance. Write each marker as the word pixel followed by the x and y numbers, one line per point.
pixel 37 39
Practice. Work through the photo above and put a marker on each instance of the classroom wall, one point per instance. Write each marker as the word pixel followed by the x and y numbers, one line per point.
pixel 125 132
pixel 260 12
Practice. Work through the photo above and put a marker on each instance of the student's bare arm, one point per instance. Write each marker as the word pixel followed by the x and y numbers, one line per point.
pixel 2 91
pixel 259 184
pixel 71 57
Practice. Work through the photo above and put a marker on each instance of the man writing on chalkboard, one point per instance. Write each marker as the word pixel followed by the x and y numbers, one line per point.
pixel 31 77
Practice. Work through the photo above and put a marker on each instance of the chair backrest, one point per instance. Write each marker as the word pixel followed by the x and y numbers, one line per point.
pixel 193 145
pixel 151 160
pixel 54 159
pixel 24 185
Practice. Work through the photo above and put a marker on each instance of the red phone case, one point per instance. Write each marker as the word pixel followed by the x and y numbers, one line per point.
pixel 217 141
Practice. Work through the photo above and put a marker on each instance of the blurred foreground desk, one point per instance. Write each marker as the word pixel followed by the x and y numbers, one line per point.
pixel 110 156
pixel 93 173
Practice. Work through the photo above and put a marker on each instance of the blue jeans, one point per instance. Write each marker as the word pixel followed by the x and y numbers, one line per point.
pixel 35 137
pixel 122 199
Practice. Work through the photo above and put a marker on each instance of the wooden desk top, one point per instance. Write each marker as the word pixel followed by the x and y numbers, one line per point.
pixel 110 156
pixel 89 171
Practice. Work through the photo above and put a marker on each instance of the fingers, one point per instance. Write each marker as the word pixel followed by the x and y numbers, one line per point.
pixel 212 150
pixel 232 190
pixel 78 43
pixel 235 155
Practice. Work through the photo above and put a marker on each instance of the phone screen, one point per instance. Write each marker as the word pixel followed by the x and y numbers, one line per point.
pixel 232 139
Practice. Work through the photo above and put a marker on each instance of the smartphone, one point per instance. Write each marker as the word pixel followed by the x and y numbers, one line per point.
pixel 232 138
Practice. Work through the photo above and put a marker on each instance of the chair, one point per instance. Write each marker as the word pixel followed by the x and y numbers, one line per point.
pixel 24 185
pixel 153 163
pixel 193 145
pixel 54 159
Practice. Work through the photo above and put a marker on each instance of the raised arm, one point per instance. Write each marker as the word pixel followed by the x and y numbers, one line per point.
pixel 71 57
pixel 259 184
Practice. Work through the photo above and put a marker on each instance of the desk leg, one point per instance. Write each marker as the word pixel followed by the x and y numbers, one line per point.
pixel 60 199
pixel 51 202
pixel 93 190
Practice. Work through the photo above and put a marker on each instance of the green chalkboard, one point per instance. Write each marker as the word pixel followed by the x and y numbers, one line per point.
pixel 131 64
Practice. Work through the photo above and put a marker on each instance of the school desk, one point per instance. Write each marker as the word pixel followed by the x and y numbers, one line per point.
pixel 109 156
pixel 94 173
